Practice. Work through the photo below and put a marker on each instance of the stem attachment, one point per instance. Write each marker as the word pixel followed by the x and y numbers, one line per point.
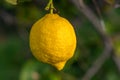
pixel 50 6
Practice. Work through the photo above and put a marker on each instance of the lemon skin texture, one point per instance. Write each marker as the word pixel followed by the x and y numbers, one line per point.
pixel 53 40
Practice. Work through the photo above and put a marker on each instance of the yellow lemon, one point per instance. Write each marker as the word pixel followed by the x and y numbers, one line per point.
pixel 53 40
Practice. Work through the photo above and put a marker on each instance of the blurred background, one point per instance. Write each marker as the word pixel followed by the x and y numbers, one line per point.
pixel 17 61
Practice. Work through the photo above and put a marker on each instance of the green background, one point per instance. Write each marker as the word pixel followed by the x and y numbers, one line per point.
pixel 16 59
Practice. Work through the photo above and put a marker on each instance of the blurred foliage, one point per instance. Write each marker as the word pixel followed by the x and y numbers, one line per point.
pixel 14 2
pixel 16 60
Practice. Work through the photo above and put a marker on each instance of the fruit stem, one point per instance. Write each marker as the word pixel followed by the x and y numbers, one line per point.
pixel 50 6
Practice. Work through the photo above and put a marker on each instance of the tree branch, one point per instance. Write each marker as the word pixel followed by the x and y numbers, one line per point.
pixel 106 39
pixel 98 62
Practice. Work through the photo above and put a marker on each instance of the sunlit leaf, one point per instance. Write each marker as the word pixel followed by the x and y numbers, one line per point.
pixel 13 2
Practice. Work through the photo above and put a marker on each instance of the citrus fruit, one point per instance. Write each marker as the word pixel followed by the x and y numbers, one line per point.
pixel 53 40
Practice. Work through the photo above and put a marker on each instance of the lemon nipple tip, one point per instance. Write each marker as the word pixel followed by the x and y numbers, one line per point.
pixel 60 65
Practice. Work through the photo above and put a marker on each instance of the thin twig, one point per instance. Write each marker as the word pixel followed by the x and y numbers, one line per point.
pixel 99 14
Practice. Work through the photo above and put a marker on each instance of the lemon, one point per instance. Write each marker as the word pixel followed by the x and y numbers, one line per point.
pixel 53 40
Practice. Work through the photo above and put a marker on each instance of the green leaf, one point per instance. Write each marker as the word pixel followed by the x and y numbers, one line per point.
pixel 13 2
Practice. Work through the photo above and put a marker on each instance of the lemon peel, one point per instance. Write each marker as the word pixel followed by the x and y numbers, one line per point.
pixel 53 40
